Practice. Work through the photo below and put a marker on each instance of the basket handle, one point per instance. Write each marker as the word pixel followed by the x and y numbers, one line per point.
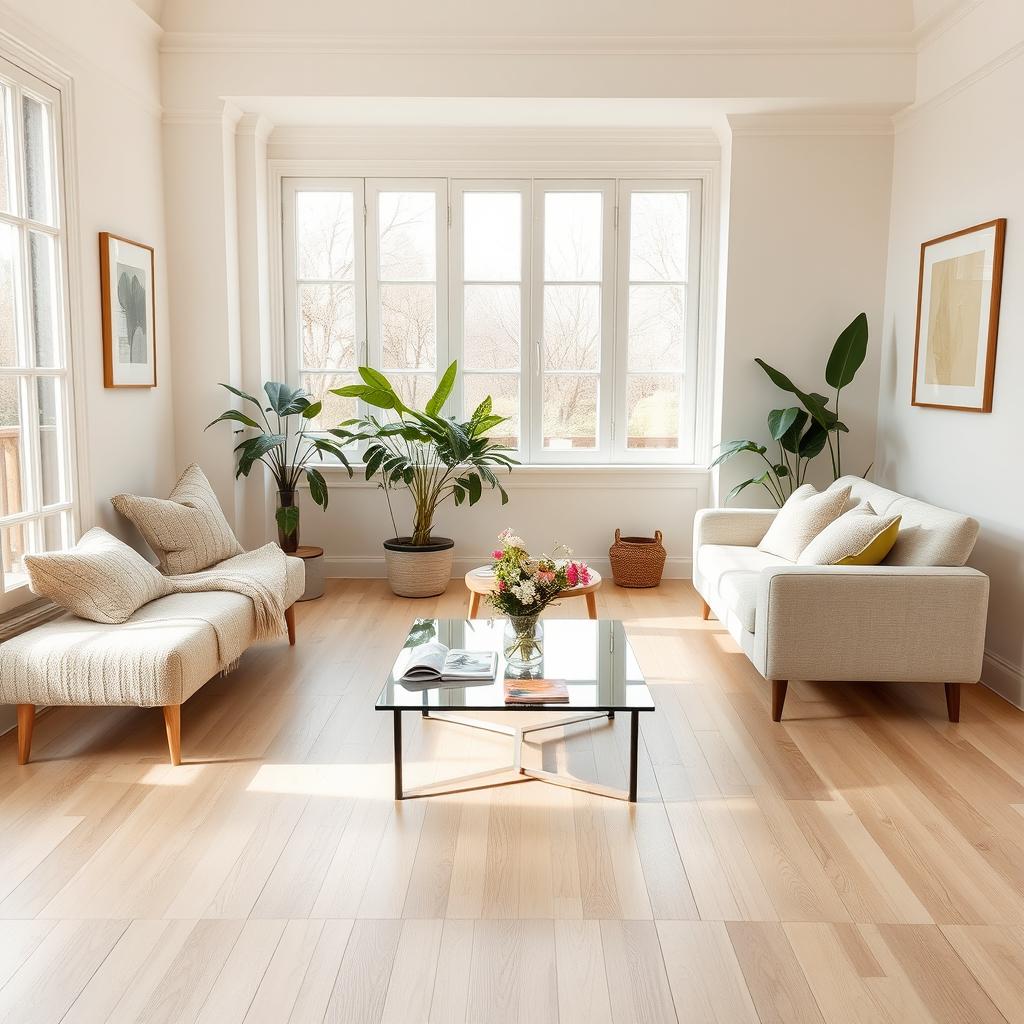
pixel 618 535
pixel 657 536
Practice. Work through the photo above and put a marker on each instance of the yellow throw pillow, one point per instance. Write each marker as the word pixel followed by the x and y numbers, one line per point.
pixel 878 547
pixel 858 537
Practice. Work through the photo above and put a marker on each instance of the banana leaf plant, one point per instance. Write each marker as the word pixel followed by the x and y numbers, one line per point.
pixel 801 434
pixel 287 446
pixel 434 457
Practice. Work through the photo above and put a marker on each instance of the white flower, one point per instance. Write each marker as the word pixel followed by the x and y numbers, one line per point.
pixel 511 540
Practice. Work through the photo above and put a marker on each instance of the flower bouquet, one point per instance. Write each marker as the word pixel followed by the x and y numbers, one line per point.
pixel 525 587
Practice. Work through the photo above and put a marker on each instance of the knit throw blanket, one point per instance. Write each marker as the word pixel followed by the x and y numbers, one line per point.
pixel 259 575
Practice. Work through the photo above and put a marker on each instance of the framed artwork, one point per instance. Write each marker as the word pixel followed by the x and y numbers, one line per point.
pixel 129 325
pixel 958 318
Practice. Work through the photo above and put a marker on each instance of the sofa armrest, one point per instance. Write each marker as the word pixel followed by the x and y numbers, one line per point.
pixel 878 622
pixel 741 526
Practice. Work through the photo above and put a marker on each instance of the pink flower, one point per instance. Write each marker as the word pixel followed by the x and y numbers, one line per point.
pixel 572 574
pixel 583 572
pixel 497 554
pixel 546 576
pixel 501 584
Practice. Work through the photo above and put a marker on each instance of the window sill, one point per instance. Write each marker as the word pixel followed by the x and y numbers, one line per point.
pixel 610 475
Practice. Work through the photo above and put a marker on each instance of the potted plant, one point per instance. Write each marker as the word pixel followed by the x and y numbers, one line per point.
pixel 802 434
pixel 286 448
pixel 433 458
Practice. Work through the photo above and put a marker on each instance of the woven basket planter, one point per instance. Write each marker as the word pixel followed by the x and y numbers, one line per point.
pixel 419 570
pixel 637 561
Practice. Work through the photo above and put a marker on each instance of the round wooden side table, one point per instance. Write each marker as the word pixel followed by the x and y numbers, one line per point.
pixel 480 585
pixel 314 559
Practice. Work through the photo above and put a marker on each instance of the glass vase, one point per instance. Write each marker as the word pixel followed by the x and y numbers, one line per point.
pixel 289 542
pixel 523 642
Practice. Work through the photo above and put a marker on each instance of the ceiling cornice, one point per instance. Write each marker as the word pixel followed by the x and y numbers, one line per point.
pixel 507 45
pixel 810 124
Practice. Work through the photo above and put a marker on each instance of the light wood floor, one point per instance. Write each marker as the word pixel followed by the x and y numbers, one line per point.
pixel 863 861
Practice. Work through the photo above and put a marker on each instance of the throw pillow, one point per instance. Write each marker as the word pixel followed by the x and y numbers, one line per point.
pixel 187 530
pixel 805 514
pixel 100 578
pixel 858 537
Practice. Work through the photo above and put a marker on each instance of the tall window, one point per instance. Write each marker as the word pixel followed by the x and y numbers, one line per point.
pixel 572 303
pixel 35 462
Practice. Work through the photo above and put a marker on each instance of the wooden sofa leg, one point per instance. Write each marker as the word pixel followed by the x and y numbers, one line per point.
pixel 705 609
pixel 26 723
pixel 953 701
pixel 172 723
pixel 289 618
pixel 779 687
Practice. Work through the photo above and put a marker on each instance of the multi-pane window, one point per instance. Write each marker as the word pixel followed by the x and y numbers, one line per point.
pixel 36 511
pixel 572 303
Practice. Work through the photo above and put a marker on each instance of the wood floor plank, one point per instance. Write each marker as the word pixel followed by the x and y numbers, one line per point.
pixel 582 982
pixel 995 956
pixel 279 987
pixel 450 997
pixel 638 986
pixel 361 985
pixel 707 984
pixel 774 979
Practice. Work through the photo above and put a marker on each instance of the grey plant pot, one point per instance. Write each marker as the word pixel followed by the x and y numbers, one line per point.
pixel 419 570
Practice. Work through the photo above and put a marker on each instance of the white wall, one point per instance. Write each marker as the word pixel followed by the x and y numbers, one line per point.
pixel 808 216
pixel 109 50
pixel 958 162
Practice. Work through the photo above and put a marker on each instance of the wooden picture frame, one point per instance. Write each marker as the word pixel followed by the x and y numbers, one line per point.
pixel 958 292
pixel 129 320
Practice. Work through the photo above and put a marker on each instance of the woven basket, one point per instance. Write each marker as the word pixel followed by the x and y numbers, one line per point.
pixel 637 561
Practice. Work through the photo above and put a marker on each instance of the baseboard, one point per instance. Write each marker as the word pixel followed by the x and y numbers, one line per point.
pixel 1003 677
pixel 371 567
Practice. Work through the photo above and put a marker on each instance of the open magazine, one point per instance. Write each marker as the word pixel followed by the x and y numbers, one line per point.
pixel 432 663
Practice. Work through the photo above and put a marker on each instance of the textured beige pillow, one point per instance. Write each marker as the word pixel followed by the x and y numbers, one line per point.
pixel 100 578
pixel 187 530
pixel 849 537
pixel 805 514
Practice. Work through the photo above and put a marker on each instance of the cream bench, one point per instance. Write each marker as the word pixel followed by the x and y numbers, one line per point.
pixel 918 617
pixel 159 657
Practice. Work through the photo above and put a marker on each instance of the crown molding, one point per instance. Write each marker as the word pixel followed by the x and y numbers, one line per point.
pixel 509 45
pixel 489 136
pixel 810 124
pixel 909 114
pixel 930 31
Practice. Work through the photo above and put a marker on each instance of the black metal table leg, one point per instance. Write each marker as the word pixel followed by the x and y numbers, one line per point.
pixel 611 714
pixel 398 755
pixel 634 738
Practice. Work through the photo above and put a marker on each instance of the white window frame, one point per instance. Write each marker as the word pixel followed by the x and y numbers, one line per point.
pixel 606 387
pixel 23 82
pixel 458 191
pixel 373 188
pixel 697 178
pixel 292 329
pixel 686 451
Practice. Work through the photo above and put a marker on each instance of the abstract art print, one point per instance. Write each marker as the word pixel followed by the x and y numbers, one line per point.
pixel 129 339
pixel 958 318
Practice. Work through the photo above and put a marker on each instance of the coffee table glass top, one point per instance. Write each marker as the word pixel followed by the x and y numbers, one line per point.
pixel 592 657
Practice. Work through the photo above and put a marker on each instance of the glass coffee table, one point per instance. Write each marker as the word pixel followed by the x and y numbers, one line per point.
pixel 593 658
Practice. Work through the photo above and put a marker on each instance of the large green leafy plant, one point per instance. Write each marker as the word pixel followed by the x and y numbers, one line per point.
pixel 802 434
pixel 288 446
pixel 435 457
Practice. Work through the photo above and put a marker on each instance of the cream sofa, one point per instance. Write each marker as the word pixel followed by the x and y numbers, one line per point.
pixel 159 657
pixel 918 617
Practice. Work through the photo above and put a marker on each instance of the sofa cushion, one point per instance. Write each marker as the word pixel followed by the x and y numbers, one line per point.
pixel 928 535
pixel 731 574
pixel 857 537
pixel 187 530
pixel 805 514
pixel 101 578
